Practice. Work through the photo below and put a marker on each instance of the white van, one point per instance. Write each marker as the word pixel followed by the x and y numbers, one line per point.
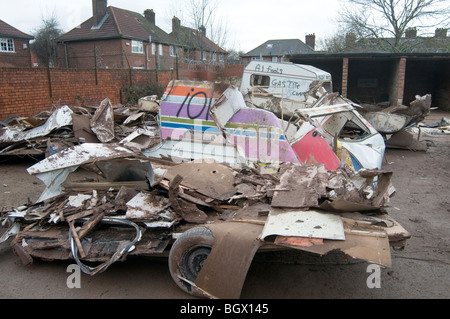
pixel 284 80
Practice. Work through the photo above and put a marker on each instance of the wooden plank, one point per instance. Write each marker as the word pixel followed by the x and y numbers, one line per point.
pixel 79 215
pixel 77 240
pixel 90 224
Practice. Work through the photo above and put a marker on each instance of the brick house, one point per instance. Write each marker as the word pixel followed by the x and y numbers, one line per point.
pixel 197 46
pixel 279 50
pixel 117 38
pixel 14 47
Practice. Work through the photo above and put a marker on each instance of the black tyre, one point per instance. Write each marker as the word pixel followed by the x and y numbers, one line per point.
pixel 187 255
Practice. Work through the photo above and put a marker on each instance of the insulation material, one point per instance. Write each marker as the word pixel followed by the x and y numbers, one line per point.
pixel 310 224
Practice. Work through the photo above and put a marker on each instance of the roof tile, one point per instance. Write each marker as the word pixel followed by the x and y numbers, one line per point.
pixel 7 30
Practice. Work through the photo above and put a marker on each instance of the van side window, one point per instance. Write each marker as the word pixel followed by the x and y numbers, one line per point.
pixel 259 80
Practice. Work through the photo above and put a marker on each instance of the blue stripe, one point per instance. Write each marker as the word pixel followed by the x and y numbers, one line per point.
pixel 213 129
pixel 202 128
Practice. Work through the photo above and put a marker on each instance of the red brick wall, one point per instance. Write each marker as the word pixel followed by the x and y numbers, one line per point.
pixel 233 70
pixel 27 91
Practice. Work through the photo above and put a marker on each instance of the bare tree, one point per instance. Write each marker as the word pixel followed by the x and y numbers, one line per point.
pixel 44 44
pixel 203 14
pixel 379 19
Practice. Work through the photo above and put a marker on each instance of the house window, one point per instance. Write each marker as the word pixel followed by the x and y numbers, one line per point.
pixel 221 57
pixel 153 49
pixel 214 56
pixel 203 55
pixel 137 46
pixel 7 45
pixel 160 49
pixel 256 58
pixel 274 59
pixel 173 50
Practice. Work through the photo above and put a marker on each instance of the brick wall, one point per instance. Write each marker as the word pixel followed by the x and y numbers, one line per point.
pixel 27 91
pixel 233 70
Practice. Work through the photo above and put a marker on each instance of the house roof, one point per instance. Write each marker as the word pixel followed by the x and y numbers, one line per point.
pixel 280 48
pixel 9 31
pixel 194 39
pixel 412 45
pixel 119 24
pixel 436 44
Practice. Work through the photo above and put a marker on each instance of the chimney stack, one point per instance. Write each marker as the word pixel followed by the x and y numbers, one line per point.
pixel 411 33
pixel 202 29
pixel 440 33
pixel 150 15
pixel 99 10
pixel 310 39
pixel 176 24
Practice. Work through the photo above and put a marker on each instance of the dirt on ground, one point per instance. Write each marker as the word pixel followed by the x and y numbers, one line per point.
pixel 421 205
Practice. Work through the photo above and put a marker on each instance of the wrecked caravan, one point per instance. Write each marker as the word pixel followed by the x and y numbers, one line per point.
pixel 288 80
pixel 206 120
pixel 224 181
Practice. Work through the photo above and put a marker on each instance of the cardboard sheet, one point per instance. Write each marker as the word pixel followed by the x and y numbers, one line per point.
pixel 224 271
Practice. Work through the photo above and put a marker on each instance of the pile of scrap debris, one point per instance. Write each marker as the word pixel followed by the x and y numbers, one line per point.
pixel 139 204
pixel 154 200
pixel 52 131
pixel 393 121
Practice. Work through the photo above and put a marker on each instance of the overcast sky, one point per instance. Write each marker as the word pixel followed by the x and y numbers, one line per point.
pixel 250 22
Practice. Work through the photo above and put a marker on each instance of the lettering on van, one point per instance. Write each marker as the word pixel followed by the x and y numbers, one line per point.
pixel 323 77
pixel 268 69
pixel 191 113
pixel 291 88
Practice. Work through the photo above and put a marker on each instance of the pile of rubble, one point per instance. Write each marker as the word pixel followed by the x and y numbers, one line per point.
pixel 140 204
pixel 395 122
pixel 159 199
pixel 51 131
